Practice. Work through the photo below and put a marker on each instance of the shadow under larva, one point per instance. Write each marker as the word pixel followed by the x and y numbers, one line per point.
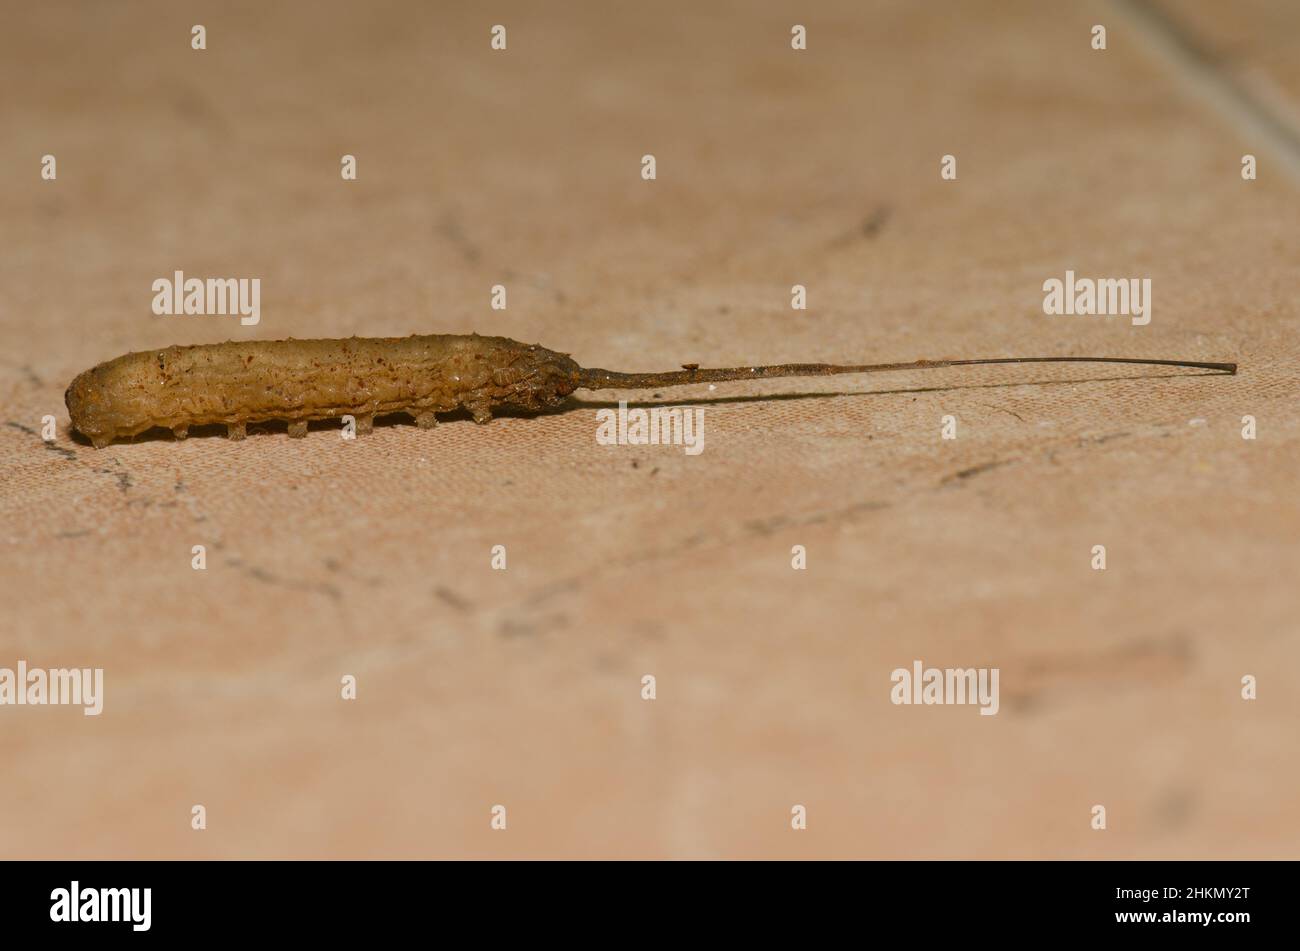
pixel 298 381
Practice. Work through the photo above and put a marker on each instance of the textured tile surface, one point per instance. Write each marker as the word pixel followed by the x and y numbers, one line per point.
pixel 521 687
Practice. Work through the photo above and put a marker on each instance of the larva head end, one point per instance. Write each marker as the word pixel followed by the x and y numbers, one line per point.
pixel 88 403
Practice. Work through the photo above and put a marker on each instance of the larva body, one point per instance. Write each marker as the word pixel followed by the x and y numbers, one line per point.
pixel 301 380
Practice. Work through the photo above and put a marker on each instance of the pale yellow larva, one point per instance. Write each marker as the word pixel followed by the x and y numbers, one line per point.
pixel 302 380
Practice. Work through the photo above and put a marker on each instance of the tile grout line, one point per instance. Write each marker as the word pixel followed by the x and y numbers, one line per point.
pixel 1169 41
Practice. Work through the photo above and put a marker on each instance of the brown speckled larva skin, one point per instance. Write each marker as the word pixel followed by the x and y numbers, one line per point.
pixel 301 380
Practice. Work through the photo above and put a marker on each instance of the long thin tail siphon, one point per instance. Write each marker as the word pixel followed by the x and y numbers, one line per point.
pixel 597 379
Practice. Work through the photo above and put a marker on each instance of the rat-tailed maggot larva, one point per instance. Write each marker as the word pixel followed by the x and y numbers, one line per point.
pixel 301 380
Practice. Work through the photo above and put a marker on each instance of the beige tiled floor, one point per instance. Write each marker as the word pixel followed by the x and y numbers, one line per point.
pixel 522 687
